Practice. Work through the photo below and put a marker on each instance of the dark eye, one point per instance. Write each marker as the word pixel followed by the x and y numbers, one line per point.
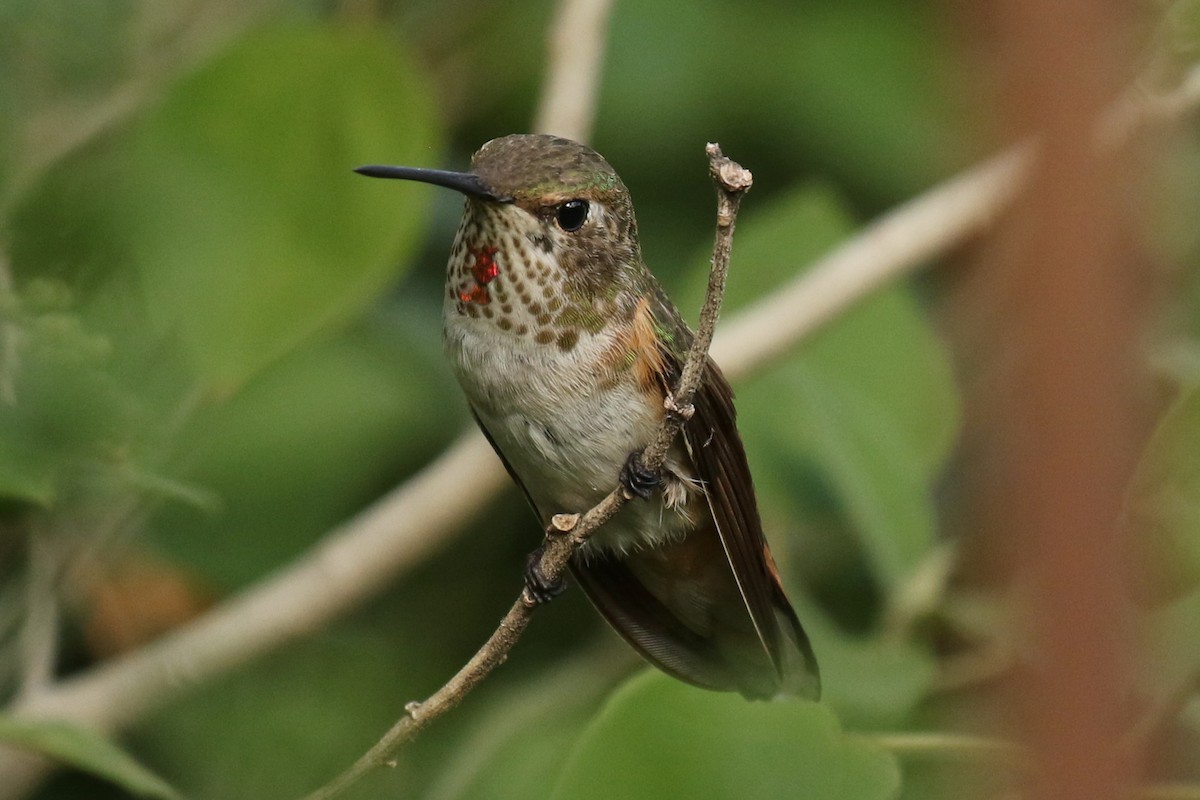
pixel 571 215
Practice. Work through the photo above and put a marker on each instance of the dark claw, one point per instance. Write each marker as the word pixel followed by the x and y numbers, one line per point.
pixel 539 588
pixel 636 479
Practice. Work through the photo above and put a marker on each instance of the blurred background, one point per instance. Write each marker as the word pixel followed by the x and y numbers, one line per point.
pixel 217 343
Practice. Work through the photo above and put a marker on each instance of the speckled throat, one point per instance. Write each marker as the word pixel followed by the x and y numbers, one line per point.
pixel 507 268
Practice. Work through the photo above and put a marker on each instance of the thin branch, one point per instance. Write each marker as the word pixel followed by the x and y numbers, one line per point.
pixel 965 747
pixel 583 678
pixel 362 556
pixel 732 182
pixel 39 634
pixel 576 51
pixel 951 746
pixel 354 561
pixel 10 334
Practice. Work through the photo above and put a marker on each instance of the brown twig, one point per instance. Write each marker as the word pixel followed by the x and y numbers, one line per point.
pixel 732 182
pixel 1062 316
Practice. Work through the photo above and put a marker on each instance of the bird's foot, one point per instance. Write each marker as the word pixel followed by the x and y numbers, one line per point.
pixel 539 588
pixel 638 481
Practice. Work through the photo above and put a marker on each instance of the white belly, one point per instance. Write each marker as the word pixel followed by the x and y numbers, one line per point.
pixel 564 436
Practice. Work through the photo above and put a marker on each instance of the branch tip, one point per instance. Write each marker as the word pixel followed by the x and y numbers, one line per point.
pixel 731 177
pixel 684 411
pixel 564 523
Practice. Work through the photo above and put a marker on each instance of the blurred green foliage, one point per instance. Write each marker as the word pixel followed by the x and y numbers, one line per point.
pixel 236 253
pixel 676 741
pixel 87 750
pixel 1164 508
pixel 216 343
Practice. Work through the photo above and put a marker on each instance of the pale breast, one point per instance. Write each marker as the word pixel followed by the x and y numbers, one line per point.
pixel 565 433
pixel 563 429
pixel 554 376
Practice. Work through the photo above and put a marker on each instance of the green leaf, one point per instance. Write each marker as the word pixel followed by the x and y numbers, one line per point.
pixel 252 231
pixel 517 735
pixel 1164 506
pixel 85 750
pixel 1169 649
pixel 659 738
pixel 866 408
pixel 862 90
pixel 27 472
pixel 289 722
pixel 1181 32
pixel 65 408
pixel 871 682
pixel 319 431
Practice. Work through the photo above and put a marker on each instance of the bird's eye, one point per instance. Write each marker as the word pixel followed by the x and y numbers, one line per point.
pixel 571 215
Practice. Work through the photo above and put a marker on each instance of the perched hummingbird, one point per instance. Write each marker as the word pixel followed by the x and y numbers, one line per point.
pixel 566 347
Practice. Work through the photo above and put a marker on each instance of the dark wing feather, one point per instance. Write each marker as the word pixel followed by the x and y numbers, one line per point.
pixel 716 449
pixel 720 461
pixel 766 656
pixel 648 625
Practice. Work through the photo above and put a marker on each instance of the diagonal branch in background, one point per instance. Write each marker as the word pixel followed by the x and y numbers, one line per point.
pixel 360 558
pixel 576 44
pixel 568 532
pixel 896 244
pixel 917 232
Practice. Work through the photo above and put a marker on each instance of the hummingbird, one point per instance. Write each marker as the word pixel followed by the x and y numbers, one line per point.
pixel 567 347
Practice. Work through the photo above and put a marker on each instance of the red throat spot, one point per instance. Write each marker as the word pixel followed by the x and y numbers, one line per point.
pixel 484 270
pixel 477 295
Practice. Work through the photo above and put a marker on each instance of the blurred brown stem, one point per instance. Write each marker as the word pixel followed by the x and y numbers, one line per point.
pixel 1062 310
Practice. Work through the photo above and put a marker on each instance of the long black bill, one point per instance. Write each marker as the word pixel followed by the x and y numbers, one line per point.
pixel 465 182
